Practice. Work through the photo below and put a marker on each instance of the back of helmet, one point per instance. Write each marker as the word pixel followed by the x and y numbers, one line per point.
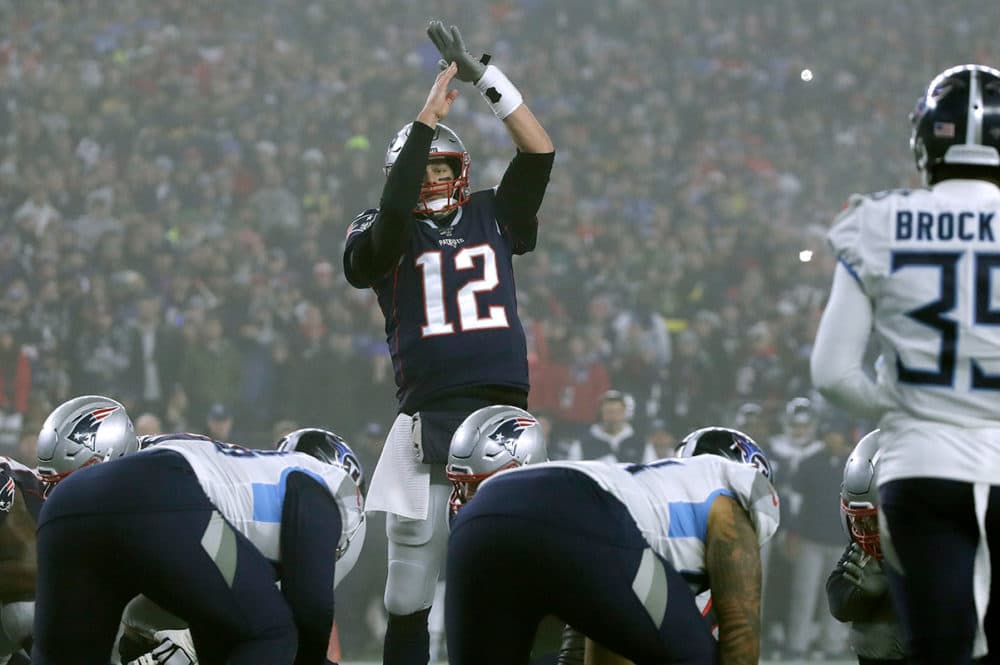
pixel 490 440
pixel 956 123
pixel 83 431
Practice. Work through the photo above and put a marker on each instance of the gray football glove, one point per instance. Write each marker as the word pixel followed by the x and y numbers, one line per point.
pixel 452 49
pixel 864 572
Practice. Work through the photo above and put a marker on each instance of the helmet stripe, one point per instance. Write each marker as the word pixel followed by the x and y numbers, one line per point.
pixel 974 118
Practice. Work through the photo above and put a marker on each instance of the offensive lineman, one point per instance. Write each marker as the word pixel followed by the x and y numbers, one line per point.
pixel 204 529
pixel 21 492
pixel 618 552
pixel 439 258
pixel 918 268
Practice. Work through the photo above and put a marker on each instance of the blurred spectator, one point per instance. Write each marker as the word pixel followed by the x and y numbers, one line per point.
pixel 219 422
pixel 211 368
pixel 660 442
pixel 815 540
pixel 154 356
pixel 148 424
pixel 612 438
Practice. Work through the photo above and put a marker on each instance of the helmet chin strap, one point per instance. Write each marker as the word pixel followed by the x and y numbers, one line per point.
pixel 439 216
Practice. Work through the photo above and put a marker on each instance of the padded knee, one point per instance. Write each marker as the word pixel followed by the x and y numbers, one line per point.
pixel 416 550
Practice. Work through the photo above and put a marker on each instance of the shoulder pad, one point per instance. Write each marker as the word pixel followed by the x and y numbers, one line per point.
pixel 886 193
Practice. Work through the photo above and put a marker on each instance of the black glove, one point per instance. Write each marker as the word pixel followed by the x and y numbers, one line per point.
pixel 452 49
pixel 865 572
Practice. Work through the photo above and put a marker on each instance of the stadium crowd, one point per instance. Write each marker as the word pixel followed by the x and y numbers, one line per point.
pixel 176 179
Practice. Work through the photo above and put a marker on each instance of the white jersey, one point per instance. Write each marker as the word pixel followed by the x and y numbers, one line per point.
pixel 929 261
pixel 248 488
pixel 669 500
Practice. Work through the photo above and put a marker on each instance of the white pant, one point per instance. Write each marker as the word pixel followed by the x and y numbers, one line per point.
pixel 809 572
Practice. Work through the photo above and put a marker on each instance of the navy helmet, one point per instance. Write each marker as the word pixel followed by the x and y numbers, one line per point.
pixel 729 443
pixel 957 120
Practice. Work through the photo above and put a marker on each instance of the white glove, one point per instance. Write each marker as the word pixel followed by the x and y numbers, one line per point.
pixel 174 647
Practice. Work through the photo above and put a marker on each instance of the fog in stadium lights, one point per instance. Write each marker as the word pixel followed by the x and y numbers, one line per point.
pixel 806 75
pixel 805 255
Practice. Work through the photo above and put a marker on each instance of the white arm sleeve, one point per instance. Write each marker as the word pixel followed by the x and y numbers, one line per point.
pixel 840 347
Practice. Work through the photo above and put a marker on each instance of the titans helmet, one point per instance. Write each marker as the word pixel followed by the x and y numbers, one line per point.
pixel 957 120
pixel 330 449
pixel 859 495
pixel 729 443
pixel 489 440
pixel 439 198
pixel 327 447
pixel 83 431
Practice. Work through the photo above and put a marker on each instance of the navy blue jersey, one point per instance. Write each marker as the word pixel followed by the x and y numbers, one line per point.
pixel 450 304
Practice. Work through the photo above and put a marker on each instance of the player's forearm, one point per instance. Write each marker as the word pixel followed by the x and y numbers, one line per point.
pixel 732 560
pixel 521 191
pixel 378 252
pixel 402 186
pixel 526 132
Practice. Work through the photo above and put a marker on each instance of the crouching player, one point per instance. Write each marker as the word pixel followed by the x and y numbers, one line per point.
pixel 205 530
pixel 619 553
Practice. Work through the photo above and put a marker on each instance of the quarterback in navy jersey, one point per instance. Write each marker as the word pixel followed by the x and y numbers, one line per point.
pixel 439 258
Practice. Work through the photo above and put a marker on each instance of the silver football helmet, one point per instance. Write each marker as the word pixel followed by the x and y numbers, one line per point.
pixel 491 439
pixel 859 495
pixel 439 198
pixel 83 431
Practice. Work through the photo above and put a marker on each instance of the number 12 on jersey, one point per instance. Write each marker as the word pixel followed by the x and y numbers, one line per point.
pixel 433 266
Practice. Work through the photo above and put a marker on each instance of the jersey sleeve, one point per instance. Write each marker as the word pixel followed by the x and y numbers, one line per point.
pixel 859 239
pixel 359 229
pixel 757 496
pixel 845 236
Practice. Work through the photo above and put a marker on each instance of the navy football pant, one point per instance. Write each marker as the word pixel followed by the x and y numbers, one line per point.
pixel 551 541
pixel 143 525
pixel 935 535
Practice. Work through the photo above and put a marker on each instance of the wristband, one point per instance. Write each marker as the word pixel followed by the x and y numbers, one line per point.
pixel 502 96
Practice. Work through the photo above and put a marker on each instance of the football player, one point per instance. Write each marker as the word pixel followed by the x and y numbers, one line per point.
pixel 21 492
pixel 439 258
pixel 101 430
pixel 204 529
pixel 917 268
pixel 857 589
pixel 618 551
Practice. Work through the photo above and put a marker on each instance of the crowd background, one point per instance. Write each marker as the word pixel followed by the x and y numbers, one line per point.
pixel 176 178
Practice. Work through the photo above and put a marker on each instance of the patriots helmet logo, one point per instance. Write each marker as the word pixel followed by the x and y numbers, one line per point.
pixel 509 431
pixel 85 429
pixel 7 495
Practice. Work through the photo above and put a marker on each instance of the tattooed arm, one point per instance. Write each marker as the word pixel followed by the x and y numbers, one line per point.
pixel 732 559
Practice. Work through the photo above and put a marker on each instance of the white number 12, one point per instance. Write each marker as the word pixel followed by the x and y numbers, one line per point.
pixel 430 264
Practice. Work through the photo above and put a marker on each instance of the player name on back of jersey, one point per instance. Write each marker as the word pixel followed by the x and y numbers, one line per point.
pixel 951 225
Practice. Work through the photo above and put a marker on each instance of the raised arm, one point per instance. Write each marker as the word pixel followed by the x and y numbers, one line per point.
pixel 732 560
pixel 520 193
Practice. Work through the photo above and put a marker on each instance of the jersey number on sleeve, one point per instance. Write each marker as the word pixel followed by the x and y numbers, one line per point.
pixel 432 268
pixel 933 314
